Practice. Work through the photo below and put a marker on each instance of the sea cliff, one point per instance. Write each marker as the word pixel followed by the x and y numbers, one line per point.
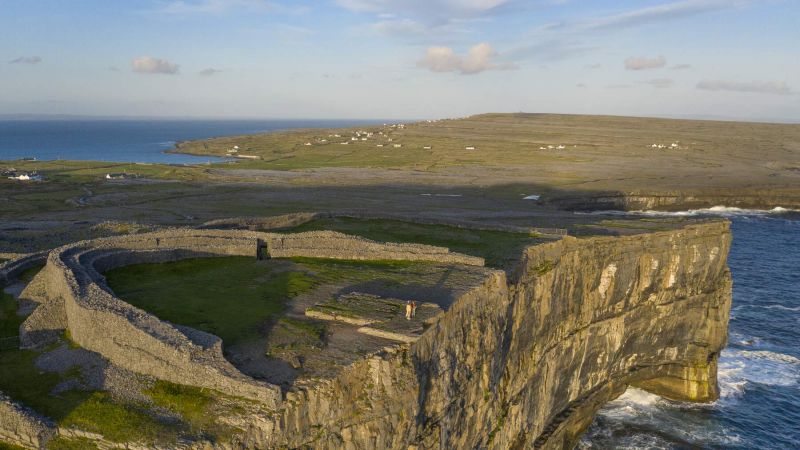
pixel 526 359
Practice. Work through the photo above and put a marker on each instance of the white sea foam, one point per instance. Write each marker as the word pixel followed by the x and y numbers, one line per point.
pixel 737 368
pixel 637 409
pixel 782 307
pixel 723 211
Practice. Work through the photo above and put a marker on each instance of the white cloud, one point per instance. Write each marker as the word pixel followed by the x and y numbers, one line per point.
pixel 569 36
pixel 480 57
pixel 425 18
pixel 644 63
pixel 208 72
pixel 422 7
pixel 26 60
pixel 149 65
pixel 660 83
pixel 659 13
pixel 197 7
pixel 761 87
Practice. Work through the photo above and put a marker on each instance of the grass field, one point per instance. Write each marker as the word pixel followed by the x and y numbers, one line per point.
pixel 235 297
pixel 604 152
pixel 228 297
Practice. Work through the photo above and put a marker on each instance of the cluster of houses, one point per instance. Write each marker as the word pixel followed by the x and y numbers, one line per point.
pixel 553 147
pixel 363 136
pixel 672 146
pixel 120 176
pixel 33 176
pixel 234 152
pixel 14 174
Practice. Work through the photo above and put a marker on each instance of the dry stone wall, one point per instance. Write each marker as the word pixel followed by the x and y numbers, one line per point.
pixel 23 427
pixel 19 263
pixel 292 220
pixel 74 296
pixel 330 244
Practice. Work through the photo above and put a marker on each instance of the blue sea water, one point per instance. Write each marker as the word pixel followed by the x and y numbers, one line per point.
pixel 759 371
pixel 130 140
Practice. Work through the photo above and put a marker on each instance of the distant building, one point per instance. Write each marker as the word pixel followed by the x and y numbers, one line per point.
pixel 469 148
pixel 118 176
pixel 33 176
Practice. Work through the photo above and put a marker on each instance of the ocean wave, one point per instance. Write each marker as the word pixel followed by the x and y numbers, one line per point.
pixel 631 421
pixel 739 367
pixel 721 211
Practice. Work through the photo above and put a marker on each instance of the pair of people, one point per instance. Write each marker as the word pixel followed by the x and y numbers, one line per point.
pixel 411 309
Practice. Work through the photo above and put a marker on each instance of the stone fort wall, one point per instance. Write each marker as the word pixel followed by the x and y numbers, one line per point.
pixel 21 426
pixel 74 296
pixel 291 220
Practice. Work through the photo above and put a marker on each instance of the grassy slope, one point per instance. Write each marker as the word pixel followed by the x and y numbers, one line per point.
pixel 601 152
pixel 97 411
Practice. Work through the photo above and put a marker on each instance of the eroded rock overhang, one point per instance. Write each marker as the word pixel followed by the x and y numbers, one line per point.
pixel 525 359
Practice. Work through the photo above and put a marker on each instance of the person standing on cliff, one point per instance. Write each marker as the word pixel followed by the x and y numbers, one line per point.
pixel 413 308
pixel 409 310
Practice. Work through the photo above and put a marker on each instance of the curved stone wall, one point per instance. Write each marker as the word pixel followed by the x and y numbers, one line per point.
pixel 23 427
pixel 76 297
pixel 19 263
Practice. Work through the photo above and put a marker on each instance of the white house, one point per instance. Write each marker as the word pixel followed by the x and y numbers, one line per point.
pixel 469 148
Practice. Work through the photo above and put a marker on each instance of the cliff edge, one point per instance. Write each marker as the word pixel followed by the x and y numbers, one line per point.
pixel 526 359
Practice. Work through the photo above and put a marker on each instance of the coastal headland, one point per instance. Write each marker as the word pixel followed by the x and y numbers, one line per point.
pixel 259 302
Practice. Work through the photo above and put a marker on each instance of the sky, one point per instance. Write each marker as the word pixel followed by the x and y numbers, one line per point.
pixel 405 59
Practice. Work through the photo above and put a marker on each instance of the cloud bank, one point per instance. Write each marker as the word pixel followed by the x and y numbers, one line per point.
pixel 197 7
pixel 660 13
pixel 480 57
pixel 26 60
pixel 208 72
pixel 660 83
pixel 149 65
pixel 760 87
pixel 421 7
pixel 644 63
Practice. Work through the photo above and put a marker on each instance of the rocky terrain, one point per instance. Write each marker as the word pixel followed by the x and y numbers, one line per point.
pixel 520 359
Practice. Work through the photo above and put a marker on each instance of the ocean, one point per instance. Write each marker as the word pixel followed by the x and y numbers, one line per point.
pixel 759 371
pixel 130 140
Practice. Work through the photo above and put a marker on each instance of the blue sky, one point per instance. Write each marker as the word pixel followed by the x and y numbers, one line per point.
pixel 400 58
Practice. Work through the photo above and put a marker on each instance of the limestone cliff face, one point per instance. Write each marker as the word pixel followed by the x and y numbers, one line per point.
pixel 524 361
